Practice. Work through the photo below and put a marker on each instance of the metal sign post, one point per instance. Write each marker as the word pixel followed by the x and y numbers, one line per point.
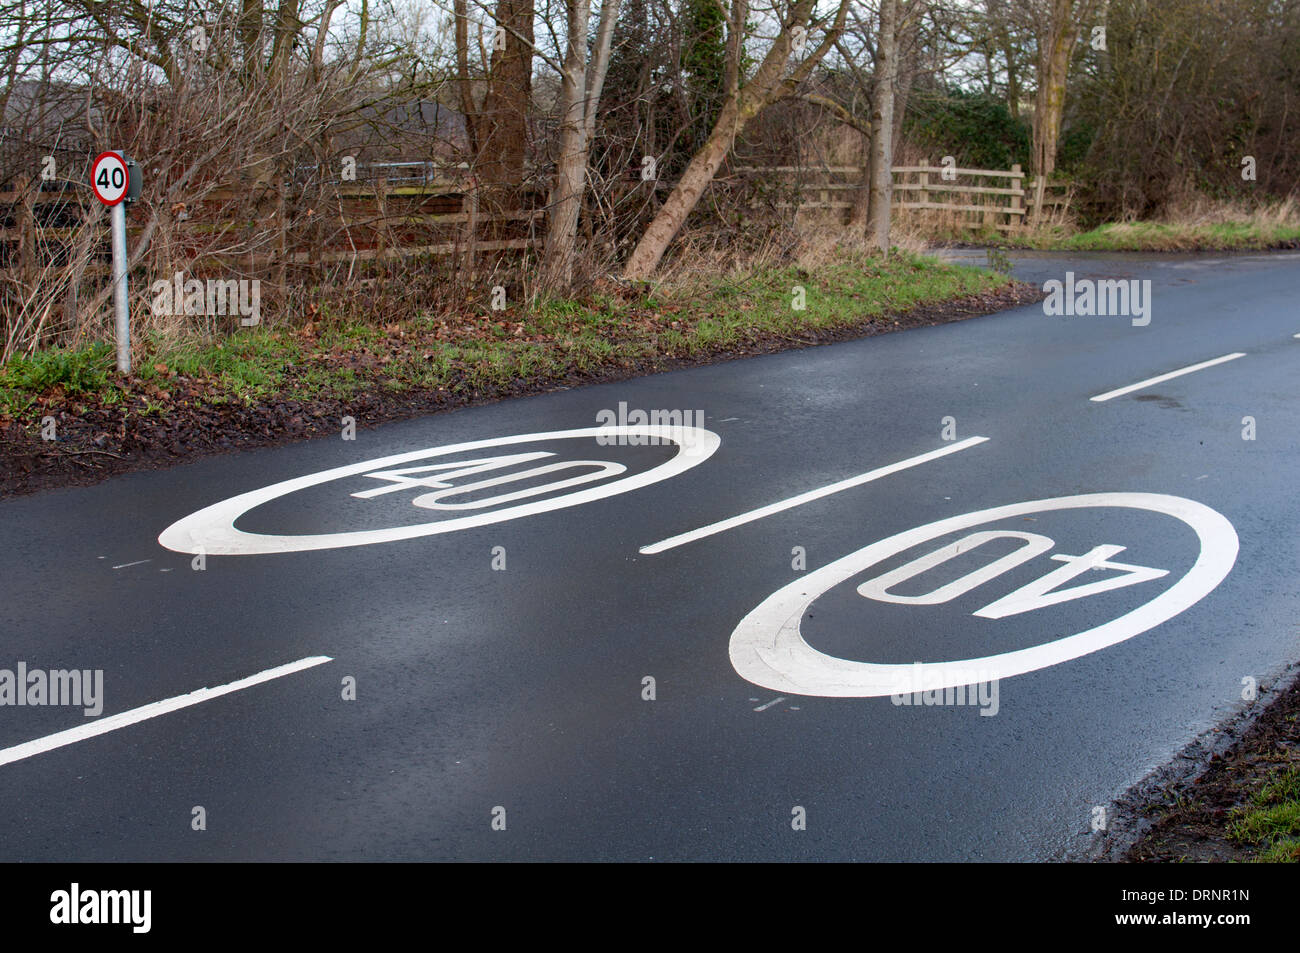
pixel 121 301
pixel 110 177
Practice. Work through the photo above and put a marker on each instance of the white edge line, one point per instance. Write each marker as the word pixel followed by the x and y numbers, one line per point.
pixel 1164 377
pixel 103 725
pixel 712 528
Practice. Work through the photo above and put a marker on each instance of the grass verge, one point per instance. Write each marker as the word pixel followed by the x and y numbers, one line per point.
pixel 1162 237
pixel 67 418
pixel 477 352
pixel 1243 806
pixel 1195 224
pixel 1269 824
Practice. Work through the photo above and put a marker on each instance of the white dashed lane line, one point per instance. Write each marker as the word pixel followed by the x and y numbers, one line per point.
pixel 153 710
pixel 1120 392
pixel 683 538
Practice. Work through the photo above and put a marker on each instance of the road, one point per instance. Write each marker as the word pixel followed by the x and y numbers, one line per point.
pixel 540 680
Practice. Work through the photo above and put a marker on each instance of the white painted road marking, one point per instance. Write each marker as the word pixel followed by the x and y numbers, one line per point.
pixel 768 649
pixel 683 538
pixel 1164 377
pixel 212 529
pixel 779 698
pixel 153 710
pixel 138 562
pixel 1046 591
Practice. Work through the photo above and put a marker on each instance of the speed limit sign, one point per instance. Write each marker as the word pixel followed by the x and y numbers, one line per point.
pixel 109 178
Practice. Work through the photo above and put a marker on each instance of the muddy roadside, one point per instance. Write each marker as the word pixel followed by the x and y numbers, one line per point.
pixel 1229 796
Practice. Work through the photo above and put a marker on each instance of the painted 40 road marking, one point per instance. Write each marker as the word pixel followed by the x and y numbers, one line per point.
pixel 1038 594
pixel 768 649
pixel 212 530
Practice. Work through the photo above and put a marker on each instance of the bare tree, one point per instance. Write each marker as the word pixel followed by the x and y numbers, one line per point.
pixel 742 103
pixel 882 126
pixel 581 90
pixel 236 138
pixel 464 84
pixel 503 127
pixel 1058 23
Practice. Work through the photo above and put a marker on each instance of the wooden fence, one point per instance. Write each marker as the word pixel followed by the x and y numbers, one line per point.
pixel 439 214
pixel 345 222
pixel 988 198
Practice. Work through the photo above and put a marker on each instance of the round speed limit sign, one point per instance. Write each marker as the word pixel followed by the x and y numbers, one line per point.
pixel 109 178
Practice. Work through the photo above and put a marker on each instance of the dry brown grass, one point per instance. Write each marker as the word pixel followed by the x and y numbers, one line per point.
pixel 1199 210
pixel 702 256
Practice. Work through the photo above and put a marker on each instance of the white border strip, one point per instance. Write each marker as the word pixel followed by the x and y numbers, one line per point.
pixel 690 537
pixel 153 710
pixel 1164 377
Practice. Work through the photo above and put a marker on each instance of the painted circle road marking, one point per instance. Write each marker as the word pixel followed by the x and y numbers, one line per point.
pixel 768 649
pixel 212 530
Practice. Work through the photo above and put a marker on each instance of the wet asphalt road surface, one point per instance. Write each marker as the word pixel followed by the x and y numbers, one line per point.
pixel 541 681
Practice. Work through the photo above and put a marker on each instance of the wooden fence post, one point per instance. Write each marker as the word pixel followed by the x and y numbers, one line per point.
pixel 381 223
pixel 26 231
pixel 471 228
pixel 318 227
pixel 925 181
pixel 281 240
pixel 1016 217
pixel 989 202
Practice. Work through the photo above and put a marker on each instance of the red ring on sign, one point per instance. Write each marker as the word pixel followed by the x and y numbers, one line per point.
pixel 94 166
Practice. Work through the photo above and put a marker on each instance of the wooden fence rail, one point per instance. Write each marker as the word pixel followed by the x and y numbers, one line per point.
pixel 927 187
pixel 366 222
pixel 375 221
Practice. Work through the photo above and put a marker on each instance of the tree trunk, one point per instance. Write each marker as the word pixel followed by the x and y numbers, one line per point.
pixel 685 195
pixel 600 66
pixel 288 27
pixel 999 25
pixel 882 127
pixel 739 107
pixel 571 165
pixel 249 30
pixel 909 27
pixel 508 102
pixel 1055 46
pixel 463 82
pixel 581 95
